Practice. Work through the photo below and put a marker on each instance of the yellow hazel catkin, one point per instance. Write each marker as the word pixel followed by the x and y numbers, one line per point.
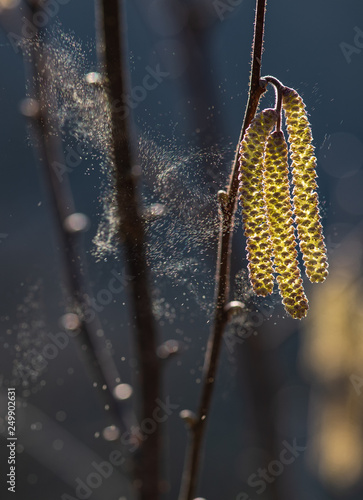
pixel 279 212
pixel 305 198
pixel 258 243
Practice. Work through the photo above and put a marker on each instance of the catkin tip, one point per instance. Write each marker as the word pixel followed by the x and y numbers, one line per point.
pixel 279 211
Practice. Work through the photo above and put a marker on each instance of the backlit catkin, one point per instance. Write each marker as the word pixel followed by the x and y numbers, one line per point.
pixel 279 213
pixel 258 243
pixel 305 198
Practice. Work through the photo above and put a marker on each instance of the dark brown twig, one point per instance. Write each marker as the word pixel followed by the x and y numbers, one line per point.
pixel 45 128
pixel 228 206
pixel 131 234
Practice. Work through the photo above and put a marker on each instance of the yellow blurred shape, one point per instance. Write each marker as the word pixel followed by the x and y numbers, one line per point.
pixel 8 4
pixel 340 447
pixel 333 353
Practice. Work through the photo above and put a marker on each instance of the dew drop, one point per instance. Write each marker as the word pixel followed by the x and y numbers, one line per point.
pixel 111 433
pixel 76 222
pixel 122 391
pixel 28 107
pixel 70 321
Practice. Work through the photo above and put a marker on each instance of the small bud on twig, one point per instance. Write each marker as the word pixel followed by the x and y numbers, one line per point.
pixel 168 349
pixel 189 417
pixel 29 108
pixel 234 308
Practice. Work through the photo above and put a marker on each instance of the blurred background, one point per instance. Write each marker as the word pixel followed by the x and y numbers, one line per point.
pixel 282 384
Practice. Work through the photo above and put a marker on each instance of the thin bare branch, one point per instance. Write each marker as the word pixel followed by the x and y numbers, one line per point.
pixel 193 456
pixel 131 234
pixel 38 109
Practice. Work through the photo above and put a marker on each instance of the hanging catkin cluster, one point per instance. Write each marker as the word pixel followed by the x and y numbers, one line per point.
pixel 269 214
pixel 305 198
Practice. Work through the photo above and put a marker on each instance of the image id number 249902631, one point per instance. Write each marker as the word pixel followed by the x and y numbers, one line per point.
pixel 11 441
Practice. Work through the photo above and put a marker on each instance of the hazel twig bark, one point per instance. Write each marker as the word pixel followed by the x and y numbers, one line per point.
pixel 193 454
pixel 132 236
pixel 39 109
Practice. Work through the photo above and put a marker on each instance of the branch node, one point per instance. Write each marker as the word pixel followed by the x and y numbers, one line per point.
pixel 223 198
pixel 263 83
pixel 169 349
pixel 189 418
pixel 234 308
pixel 30 108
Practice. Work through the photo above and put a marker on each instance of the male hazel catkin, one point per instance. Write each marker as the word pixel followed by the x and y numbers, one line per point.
pixel 258 242
pixel 269 213
pixel 280 218
pixel 305 198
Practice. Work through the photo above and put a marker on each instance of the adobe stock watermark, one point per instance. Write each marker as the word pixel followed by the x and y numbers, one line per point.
pixel 223 7
pixel 39 359
pixel 152 79
pixel 348 49
pixel 260 479
pixel 46 11
pixel 99 472
pixel 104 297
pixel 73 158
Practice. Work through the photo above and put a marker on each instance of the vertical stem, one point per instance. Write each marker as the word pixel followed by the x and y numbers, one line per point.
pixel 45 128
pixel 193 456
pixel 131 234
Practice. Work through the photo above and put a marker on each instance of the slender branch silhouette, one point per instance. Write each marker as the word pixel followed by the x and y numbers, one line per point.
pixel 227 210
pixel 45 128
pixel 111 42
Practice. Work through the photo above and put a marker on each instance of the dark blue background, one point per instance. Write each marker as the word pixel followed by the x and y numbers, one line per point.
pixel 200 106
